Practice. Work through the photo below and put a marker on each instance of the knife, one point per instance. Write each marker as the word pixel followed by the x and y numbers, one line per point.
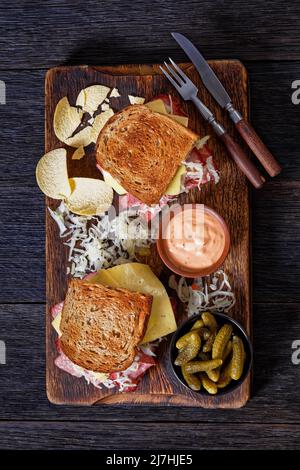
pixel 188 91
pixel 215 87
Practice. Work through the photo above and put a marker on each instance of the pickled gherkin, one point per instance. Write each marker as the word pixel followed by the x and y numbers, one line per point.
pixel 209 321
pixel 209 385
pixel 185 339
pixel 238 358
pixel 203 333
pixel 227 351
pixel 207 347
pixel 193 367
pixel 214 374
pixel 225 378
pixel 203 357
pixel 192 380
pixel 210 356
pixel 190 351
pixel 221 341
pixel 198 324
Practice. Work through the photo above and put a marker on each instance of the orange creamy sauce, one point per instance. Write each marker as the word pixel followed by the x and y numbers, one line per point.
pixel 194 239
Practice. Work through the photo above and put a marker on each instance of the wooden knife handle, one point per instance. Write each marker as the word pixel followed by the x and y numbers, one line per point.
pixel 243 161
pixel 258 148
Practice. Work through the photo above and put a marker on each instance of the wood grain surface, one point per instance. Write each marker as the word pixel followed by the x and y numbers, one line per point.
pixel 48 33
pixel 39 35
pixel 230 198
pixel 144 436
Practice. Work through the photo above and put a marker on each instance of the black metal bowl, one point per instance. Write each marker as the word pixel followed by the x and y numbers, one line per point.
pixel 221 320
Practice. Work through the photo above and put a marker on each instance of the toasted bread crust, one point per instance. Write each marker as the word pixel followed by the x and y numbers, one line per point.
pixel 142 150
pixel 101 326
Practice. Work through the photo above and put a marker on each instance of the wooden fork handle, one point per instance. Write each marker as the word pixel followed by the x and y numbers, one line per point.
pixel 258 147
pixel 242 161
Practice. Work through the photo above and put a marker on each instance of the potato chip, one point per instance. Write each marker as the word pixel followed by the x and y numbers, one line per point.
pixel 91 97
pixel 114 93
pixel 79 153
pixel 52 174
pixel 89 196
pixel 66 119
pixel 99 122
pixel 82 139
pixel 105 106
pixel 136 99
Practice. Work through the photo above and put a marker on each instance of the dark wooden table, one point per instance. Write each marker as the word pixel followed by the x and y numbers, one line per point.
pixel 38 35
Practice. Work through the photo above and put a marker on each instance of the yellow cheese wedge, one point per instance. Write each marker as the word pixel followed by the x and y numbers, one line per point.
pixel 56 324
pixel 172 190
pixel 113 183
pixel 138 277
pixel 175 186
pixel 157 106
pixel 183 120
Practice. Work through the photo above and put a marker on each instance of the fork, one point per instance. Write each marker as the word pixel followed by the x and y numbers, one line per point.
pixel 188 91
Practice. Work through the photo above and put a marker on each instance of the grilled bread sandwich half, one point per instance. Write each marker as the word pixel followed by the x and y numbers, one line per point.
pixel 143 150
pixel 102 326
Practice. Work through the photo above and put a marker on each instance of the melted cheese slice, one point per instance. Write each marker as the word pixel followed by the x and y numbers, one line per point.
pixel 175 186
pixel 183 120
pixel 158 106
pixel 138 277
pixel 56 324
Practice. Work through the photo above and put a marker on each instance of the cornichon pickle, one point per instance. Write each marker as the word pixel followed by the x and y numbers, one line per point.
pixel 238 358
pixel 227 350
pixel 190 351
pixel 225 378
pixel 192 380
pixel 202 366
pixel 209 321
pixel 223 381
pixel 202 356
pixel 207 347
pixel 185 339
pixel 214 374
pixel 198 324
pixel 221 341
pixel 209 385
pixel 203 333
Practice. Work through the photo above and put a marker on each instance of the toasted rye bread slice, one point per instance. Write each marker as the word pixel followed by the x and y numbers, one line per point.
pixel 101 326
pixel 142 150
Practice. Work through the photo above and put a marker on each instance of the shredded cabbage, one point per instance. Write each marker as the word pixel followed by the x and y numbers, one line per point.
pixel 97 242
pixel 213 293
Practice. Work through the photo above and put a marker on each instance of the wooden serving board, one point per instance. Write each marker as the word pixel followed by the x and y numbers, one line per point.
pixel 230 198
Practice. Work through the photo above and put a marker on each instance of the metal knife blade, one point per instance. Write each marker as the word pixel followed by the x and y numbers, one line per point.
pixel 207 75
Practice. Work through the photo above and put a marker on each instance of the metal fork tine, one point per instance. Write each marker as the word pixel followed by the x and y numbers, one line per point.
pixel 175 75
pixel 170 79
pixel 181 73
